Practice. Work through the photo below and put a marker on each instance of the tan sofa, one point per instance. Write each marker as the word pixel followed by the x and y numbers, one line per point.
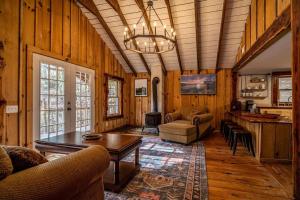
pixel 76 176
pixel 186 125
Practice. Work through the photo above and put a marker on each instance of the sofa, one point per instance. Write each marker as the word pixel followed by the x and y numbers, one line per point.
pixel 76 176
pixel 186 125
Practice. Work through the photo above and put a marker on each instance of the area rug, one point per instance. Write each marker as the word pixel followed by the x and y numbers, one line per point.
pixel 137 131
pixel 145 132
pixel 168 171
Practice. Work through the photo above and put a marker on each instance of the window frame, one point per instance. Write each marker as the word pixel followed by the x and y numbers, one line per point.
pixel 121 80
pixel 275 89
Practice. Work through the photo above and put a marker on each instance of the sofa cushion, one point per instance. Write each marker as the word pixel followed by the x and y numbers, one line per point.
pixel 178 128
pixel 203 117
pixel 189 111
pixel 23 158
pixel 6 167
pixel 172 116
pixel 183 122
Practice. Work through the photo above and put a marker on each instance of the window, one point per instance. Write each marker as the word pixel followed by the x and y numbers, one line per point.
pixel 114 96
pixel 285 89
pixel 282 89
pixel 63 96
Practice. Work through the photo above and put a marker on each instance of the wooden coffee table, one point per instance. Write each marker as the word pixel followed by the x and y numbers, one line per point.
pixel 118 145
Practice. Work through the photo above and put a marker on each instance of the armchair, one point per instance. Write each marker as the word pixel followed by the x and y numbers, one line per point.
pixel 189 122
pixel 76 176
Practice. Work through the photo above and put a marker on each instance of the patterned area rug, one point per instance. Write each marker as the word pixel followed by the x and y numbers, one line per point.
pixel 168 171
pixel 145 132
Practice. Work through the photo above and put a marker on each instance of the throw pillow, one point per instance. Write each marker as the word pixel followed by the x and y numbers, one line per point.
pixel 6 167
pixel 23 158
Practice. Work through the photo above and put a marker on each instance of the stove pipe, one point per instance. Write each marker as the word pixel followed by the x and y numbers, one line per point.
pixel 155 82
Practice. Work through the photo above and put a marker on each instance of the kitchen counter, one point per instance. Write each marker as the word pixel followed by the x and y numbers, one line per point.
pixel 272 138
pixel 257 119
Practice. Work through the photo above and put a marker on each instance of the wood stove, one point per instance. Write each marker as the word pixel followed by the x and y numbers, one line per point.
pixel 153 119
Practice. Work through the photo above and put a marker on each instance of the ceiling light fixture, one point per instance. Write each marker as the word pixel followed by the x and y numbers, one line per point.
pixel 156 42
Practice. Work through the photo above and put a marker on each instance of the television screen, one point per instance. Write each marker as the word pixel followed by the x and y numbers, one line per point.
pixel 198 84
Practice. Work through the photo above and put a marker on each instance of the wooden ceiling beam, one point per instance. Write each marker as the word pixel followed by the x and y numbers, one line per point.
pixel 140 4
pixel 221 35
pixel 90 6
pixel 197 26
pixel 167 2
pixel 116 6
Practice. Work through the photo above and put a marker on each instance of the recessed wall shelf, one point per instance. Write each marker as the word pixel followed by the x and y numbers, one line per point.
pixel 254 86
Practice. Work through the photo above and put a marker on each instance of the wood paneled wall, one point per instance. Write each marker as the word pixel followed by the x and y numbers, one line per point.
pixel 60 30
pixel 139 105
pixel 262 14
pixel 217 104
pixel 9 36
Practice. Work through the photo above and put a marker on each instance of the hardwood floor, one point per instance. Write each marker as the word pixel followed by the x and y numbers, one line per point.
pixel 242 176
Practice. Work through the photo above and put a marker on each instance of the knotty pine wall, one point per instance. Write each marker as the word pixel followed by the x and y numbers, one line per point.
pixel 139 105
pixel 57 29
pixel 217 104
pixel 9 34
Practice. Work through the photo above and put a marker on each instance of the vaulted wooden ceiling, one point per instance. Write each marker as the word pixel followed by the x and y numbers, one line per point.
pixel 208 37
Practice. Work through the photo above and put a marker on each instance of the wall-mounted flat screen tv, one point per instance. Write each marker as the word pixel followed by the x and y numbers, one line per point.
pixel 204 84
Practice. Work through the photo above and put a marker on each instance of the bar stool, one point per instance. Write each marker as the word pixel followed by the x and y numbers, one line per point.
pixel 228 132
pixel 223 121
pixel 226 128
pixel 245 137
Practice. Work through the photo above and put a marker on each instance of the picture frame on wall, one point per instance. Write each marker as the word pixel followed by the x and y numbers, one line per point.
pixel 198 84
pixel 141 87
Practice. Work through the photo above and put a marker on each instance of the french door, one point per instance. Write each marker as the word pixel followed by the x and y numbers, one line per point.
pixel 63 97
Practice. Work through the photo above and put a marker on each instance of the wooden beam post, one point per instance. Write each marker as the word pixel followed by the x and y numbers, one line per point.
pixel 116 6
pixel 90 5
pixel 234 83
pixel 295 26
pixel 140 4
pixel 221 35
pixel 167 2
pixel 197 25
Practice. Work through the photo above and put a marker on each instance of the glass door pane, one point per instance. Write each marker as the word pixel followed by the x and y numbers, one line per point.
pixel 83 101
pixel 52 100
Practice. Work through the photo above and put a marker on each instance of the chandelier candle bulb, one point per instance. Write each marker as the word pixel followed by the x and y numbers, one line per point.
pixel 134 26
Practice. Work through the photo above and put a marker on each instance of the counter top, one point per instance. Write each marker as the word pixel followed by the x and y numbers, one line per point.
pixel 275 107
pixel 260 120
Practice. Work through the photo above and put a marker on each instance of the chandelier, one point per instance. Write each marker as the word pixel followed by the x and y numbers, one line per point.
pixel 155 39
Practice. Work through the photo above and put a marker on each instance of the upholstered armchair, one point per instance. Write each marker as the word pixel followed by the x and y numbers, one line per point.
pixel 199 117
pixel 76 176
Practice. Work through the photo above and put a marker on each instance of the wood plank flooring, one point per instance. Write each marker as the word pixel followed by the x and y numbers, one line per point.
pixel 241 176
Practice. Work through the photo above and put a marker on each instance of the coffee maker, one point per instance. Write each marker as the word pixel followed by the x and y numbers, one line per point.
pixel 249 105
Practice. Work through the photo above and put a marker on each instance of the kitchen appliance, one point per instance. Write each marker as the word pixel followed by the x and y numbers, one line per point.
pixel 249 105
